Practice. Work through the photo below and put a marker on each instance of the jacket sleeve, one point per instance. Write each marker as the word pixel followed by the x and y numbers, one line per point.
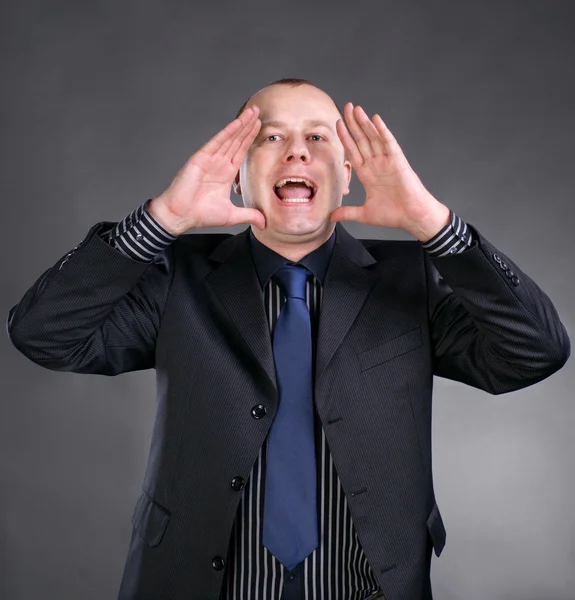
pixel 491 326
pixel 95 311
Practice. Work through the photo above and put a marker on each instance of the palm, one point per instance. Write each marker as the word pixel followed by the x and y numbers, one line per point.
pixel 395 196
pixel 208 179
pixel 200 192
pixel 390 184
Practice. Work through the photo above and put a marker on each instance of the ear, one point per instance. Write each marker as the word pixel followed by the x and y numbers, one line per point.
pixel 348 170
pixel 236 184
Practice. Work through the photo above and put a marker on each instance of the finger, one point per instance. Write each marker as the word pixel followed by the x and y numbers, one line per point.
pixel 388 138
pixel 370 130
pixel 228 132
pixel 215 144
pixel 247 215
pixel 348 213
pixel 230 149
pixel 363 142
pixel 350 147
pixel 241 146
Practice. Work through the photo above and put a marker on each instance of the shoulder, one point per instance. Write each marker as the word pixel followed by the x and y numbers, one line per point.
pixel 199 243
pixel 385 249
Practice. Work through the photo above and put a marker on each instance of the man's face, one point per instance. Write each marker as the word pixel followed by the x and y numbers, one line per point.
pixel 294 146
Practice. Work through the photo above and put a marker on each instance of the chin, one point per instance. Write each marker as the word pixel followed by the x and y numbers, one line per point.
pixel 304 228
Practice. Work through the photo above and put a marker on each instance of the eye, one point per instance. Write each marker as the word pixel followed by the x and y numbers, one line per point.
pixel 276 135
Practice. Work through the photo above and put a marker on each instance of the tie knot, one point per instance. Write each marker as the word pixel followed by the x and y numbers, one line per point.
pixel 292 280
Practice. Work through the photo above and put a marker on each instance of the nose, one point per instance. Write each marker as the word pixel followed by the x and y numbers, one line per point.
pixel 297 151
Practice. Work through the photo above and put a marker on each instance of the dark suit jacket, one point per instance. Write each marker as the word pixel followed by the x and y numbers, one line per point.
pixel 391 318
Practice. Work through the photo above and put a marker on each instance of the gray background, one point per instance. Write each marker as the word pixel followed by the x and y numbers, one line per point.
pixel 103 102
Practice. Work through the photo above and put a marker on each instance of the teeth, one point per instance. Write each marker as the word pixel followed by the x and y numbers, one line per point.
pixel 282 182
pixel 295 199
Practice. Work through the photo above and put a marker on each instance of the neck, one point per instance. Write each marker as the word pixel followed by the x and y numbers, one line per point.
pixel 295 248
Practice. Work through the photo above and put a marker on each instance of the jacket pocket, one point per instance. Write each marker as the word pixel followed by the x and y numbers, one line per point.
pixel 436 529
pixel 395 347
pixel 150 519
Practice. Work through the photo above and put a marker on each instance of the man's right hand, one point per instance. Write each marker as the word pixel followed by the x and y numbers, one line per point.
pixel 199 196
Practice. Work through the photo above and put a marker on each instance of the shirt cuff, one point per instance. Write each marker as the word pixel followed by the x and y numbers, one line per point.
pixel 139 235
pixel 454 238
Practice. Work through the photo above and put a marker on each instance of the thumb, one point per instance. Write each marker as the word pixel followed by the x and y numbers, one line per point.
pixel 248 215
pixel 347 213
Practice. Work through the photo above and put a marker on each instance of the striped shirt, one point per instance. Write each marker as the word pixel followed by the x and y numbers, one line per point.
pixel 338 567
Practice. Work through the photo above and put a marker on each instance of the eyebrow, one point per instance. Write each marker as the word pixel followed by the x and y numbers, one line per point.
pixel 312 122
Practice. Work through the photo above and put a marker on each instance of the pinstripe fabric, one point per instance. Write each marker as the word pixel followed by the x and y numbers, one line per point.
pixel 454 238
pixel 391 319
pixel 338 568
pixel 140 237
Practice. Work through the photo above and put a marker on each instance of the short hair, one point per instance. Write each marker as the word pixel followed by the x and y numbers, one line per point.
pixel 292 82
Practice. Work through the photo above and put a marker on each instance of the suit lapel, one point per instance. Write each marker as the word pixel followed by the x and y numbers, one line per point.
pixel 346 286
pixel 235 284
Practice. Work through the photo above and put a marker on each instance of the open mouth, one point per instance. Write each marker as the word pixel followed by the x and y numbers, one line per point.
pixel 294 200
pixel 295 192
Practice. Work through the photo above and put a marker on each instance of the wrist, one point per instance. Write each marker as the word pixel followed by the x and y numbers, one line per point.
pixel 159 211
pixel 434 221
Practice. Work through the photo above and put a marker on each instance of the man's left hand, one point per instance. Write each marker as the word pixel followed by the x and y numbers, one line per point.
pixel 395 196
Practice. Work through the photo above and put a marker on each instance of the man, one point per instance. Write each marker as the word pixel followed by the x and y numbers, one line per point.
pixel 227 511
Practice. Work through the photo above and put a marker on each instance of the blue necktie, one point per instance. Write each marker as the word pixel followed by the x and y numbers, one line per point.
pixel 290 530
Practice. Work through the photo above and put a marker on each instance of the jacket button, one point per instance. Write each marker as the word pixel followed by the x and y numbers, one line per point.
pixel 238 483
pixel 515 280
pixel 258 411
pixel 503 265
pixel 218 563
pixel 509 273
pixel 496 258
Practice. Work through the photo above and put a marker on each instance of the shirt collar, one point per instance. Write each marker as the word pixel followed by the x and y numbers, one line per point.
pixel 267 262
